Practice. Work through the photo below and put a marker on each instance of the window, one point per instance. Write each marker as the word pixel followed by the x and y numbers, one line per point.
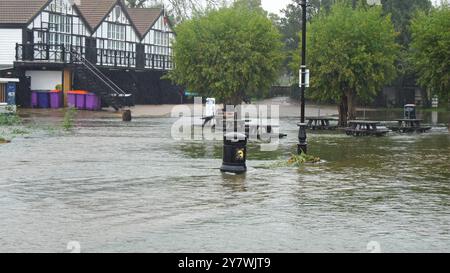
pixel 116 36
pixel 116 49
pixel 60 27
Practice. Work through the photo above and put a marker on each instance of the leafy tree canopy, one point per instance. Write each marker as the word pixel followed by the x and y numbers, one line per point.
pixel 430 50
pixel 229 53
pixel 402 12
pixel 351 54
pixel 251 5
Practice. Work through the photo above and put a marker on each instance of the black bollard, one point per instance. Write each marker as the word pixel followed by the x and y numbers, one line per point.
pixel 234 153
pixel 126 115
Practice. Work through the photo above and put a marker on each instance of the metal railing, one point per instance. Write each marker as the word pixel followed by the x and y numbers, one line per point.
pixel 57 53
pixel 117 58
pixel 118 92
pixel 157 61
pixel 60 53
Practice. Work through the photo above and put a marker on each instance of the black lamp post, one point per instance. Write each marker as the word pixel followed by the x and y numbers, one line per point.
pixel 302 144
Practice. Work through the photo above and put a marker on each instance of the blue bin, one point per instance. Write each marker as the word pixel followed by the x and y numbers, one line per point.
pixel 43 100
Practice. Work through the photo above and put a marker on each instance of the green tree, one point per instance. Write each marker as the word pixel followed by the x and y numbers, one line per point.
pixel 430 50
pixel 290 25
pixel 229 53
pixel 251 5
pixel 351 54
pixel 402 12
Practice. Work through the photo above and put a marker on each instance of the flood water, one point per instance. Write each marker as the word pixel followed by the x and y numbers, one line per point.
pixel 129 187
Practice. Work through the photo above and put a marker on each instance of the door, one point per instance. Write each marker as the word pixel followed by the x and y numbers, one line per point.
pixel 41 44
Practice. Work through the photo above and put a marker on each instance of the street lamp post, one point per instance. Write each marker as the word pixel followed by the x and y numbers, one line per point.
pixel 302 144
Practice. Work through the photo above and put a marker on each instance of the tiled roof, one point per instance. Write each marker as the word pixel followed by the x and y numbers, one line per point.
pixel 144 18
pixel 94 10
pixel 19 11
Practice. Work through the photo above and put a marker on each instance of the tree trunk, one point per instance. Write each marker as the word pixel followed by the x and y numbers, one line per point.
pixel 343 112
pixel 351 105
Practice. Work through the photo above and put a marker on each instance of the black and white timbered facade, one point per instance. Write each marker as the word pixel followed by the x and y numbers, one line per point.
pixel 127 43
pixel 55 30
pixel 158 52
pixel 116 40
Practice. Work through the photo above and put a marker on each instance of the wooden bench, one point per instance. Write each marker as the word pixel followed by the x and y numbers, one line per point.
pixel 409 126
pixel 365 128
pixel 320 123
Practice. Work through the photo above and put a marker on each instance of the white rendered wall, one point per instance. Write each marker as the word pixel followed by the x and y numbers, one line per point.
pixel 44 80
pixel 8 39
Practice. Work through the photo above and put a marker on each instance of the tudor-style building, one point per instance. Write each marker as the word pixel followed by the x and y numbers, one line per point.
pixel 98 45
pixel 156 33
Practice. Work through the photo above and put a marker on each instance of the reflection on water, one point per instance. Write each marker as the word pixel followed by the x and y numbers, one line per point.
pixel 434 118
pixel 129 187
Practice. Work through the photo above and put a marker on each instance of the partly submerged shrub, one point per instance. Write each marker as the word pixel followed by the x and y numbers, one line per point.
pixel 69 119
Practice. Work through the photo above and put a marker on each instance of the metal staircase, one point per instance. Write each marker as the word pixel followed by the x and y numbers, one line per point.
pixel 92 79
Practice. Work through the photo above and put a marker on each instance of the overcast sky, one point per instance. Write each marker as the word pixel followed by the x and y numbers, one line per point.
pixel 275 6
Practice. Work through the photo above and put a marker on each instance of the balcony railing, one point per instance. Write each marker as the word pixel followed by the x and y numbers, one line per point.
pixel 155 61
pixel 60 53
pixel 117 58
pixel 55 53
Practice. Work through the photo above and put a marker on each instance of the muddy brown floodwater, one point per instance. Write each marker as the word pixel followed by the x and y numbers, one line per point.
pixel 129 187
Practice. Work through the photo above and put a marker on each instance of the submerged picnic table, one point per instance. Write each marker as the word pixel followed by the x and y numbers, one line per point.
pixel 365 128
pixel 253 127
pixel 320 123
pixel 409 126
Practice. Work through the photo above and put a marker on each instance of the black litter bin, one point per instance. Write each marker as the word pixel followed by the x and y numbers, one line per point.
pixel 234 153
pixel 410 111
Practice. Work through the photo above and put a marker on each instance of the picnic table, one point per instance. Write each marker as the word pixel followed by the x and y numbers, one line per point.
pixel 320 123
pixel 261 126
pixel 365 128
pixel 409 125
pixel 254 127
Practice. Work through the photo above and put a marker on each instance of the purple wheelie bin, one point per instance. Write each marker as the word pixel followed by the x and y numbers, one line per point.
pixel 81 101
pixel 55 99
pixel 92 102
pixel 71 99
